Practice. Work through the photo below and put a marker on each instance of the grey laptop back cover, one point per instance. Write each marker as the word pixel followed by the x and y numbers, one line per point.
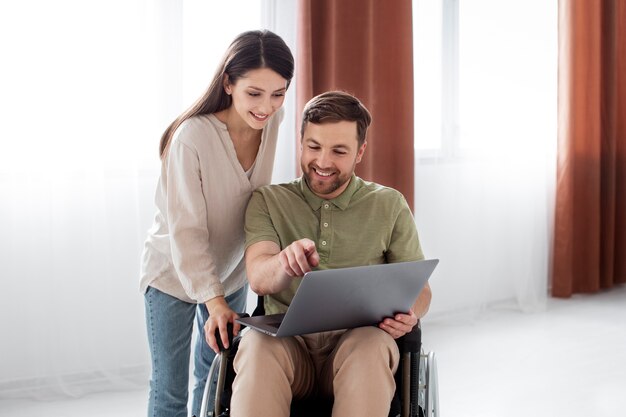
pixel 351 297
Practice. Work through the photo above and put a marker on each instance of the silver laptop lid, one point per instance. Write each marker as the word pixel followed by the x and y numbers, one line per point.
pixel 353 297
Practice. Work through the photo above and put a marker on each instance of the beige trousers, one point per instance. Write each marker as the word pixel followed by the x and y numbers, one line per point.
pixel 356 367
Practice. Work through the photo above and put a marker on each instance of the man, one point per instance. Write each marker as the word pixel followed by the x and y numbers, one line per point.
pixel 329 218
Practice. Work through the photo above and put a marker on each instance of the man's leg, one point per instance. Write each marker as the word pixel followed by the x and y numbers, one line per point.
pixel 270 372
pixel 169 322
pixel 360 373
pixel 203 354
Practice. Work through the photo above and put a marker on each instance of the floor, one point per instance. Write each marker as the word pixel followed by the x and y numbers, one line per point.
pixel 567 361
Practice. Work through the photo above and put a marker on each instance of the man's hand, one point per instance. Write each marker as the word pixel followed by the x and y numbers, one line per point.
pixel 220 315
pixel 299 257
pixel 399 325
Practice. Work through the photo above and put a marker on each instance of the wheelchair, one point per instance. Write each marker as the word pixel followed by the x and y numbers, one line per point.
pixel 416 381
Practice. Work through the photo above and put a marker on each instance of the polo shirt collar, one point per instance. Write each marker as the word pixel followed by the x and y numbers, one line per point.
pixel 341 201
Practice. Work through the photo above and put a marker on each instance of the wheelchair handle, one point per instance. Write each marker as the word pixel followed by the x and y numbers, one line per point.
pixel 229 329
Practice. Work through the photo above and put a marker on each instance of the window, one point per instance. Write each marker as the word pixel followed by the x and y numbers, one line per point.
pixel 435 40
pixel 485 143
pixel 482 68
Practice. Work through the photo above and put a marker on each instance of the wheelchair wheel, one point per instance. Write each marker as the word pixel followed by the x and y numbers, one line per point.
pixel 207 408
pixel 428 396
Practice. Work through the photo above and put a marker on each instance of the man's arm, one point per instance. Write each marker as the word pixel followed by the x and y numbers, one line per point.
pixel 270 269
pixel 422 303
pixel 405 246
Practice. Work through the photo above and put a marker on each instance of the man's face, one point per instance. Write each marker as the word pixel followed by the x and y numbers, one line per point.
pixel 330 151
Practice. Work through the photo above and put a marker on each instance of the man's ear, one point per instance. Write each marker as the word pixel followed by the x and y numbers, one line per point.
pixel 359 154
pixel 226 84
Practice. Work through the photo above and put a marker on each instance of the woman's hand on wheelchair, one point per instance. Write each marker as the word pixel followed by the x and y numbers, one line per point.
pixel 400 324
pixel 220 316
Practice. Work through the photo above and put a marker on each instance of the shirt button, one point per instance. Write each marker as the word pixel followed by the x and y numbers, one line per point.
pixel 323 243
pixel 326 206
pixel 325 224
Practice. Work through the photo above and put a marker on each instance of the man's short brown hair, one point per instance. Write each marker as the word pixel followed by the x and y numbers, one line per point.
pixel 336 106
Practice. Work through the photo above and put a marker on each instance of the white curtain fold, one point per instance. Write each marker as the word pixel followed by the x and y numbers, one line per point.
pixel 78 163
pixel 72 317
pixel 485 201
pixel 87 89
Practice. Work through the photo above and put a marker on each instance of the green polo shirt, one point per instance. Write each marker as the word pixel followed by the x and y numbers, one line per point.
pixel 367 224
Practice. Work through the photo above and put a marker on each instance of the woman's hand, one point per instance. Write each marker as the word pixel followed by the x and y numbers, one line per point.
pixel 399 325
pixel 220 315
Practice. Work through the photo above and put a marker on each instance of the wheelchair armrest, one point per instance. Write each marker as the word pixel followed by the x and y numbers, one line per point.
pixel 229 328
pixel 260 307
pixel 412 341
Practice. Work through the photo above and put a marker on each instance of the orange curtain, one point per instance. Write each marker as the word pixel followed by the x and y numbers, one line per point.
pixel 364 47
pixel 590 218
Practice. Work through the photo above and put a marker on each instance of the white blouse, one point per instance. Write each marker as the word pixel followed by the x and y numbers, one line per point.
pixel 194 250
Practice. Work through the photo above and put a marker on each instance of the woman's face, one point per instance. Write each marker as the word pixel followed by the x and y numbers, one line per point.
pixel 257 95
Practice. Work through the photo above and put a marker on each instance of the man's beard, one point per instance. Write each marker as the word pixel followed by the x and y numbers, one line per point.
pixel 324 187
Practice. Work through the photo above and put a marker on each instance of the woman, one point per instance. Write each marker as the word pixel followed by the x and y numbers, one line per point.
pixel 213 156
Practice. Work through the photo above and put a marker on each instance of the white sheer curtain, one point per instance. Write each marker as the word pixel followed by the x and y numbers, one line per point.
pixel 87 88
pixel 79 115
pixel 485 149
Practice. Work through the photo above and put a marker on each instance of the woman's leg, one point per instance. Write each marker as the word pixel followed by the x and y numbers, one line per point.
pixel 170 323
pixel 204 355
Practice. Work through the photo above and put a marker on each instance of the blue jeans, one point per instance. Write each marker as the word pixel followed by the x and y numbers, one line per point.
pixel 170 324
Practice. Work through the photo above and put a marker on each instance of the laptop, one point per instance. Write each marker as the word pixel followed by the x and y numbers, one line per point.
pixel 346 298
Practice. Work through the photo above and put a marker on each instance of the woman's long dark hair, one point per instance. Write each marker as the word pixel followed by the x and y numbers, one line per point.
pixel 250 50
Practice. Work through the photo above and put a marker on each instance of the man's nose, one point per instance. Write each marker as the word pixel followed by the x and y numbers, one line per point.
pixel 324 159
